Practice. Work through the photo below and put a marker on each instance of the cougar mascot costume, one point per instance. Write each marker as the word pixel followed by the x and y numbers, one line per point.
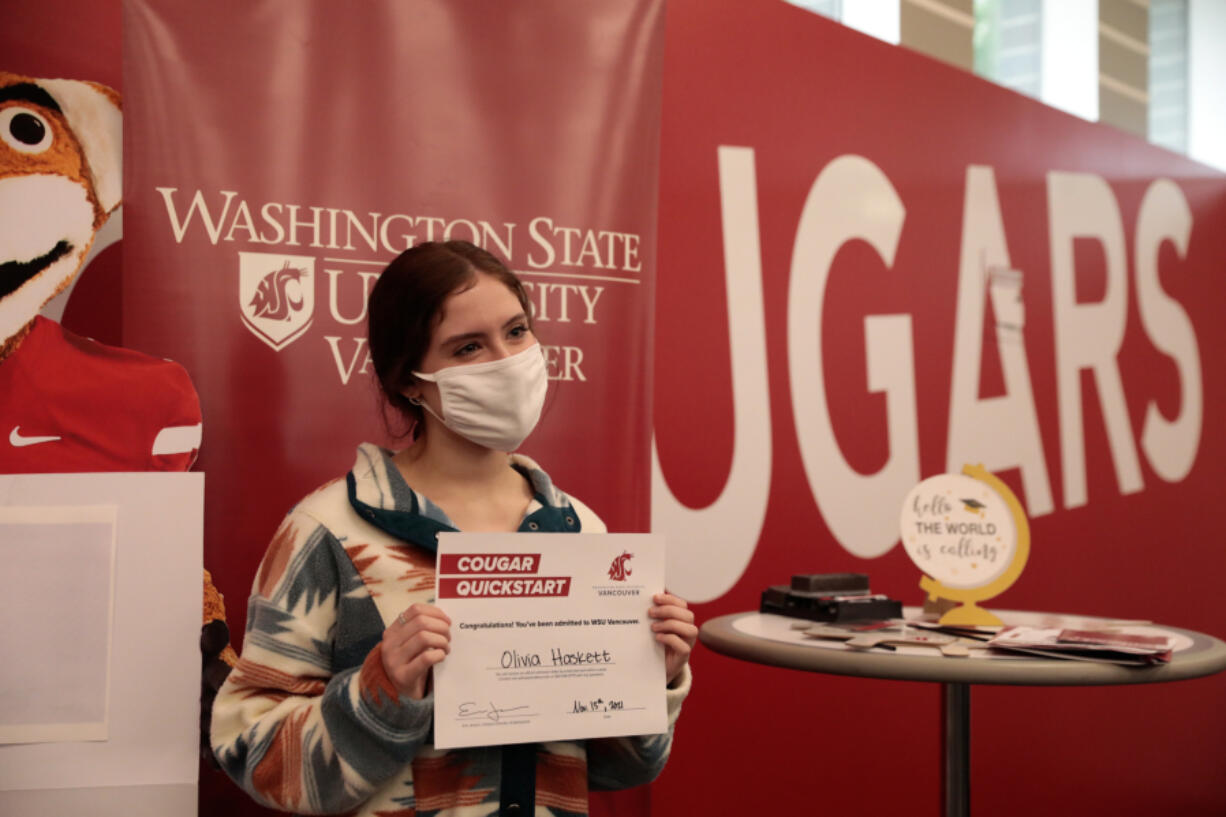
pixel 68 403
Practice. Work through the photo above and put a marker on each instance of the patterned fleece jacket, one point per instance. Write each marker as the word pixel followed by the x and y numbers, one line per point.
pixel 308 721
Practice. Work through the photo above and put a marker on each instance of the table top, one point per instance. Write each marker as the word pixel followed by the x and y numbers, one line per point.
pixel 765 638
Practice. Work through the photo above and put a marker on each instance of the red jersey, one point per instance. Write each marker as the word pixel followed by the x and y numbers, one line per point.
pixel 71 404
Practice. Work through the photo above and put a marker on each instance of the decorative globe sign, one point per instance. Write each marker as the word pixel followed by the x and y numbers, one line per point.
pixel 969 536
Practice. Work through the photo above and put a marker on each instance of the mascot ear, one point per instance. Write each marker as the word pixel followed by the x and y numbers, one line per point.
pixel 93 112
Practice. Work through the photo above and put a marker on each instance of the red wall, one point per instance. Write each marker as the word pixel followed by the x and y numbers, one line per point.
pixel 801 92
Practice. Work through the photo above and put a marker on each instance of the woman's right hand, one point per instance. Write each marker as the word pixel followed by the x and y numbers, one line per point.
pixel 419 638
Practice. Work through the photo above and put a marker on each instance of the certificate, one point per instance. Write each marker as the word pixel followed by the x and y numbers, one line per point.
pixel 550 637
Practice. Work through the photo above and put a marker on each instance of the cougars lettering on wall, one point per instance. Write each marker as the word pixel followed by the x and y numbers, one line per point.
pixel 910 269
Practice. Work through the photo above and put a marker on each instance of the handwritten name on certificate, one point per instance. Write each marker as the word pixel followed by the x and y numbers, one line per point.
pixel 550 637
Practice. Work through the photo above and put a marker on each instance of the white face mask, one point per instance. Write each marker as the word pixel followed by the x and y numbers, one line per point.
pixel 494 404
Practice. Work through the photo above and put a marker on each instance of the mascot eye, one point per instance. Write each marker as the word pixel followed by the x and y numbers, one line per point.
pixel 25 130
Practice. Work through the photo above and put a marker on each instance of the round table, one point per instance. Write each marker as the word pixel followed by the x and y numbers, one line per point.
pixel 764 638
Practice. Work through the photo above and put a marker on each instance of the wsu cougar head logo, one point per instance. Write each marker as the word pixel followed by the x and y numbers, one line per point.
pixel 620 569
pixel 272 300
pixel 277 295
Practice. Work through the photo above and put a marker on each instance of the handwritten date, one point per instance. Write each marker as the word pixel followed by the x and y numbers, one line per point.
pixel 596 705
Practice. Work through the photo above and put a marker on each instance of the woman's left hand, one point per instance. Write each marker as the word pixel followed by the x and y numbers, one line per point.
pixel 674 628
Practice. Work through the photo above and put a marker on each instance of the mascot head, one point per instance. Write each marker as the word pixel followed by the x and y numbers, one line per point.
pixel 60 176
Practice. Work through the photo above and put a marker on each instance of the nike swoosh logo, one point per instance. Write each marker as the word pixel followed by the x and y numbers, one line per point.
pixel 19 440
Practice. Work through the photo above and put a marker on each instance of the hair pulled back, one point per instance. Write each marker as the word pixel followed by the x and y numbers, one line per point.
pixel 406 305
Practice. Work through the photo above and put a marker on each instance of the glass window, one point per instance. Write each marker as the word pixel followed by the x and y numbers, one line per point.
pixel 877 18
pixel 1168 74
pixel 1008 43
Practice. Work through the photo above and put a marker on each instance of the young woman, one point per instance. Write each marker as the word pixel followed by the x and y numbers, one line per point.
pixel 330 706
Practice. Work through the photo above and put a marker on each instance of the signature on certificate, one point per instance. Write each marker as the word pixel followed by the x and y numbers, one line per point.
pixel 471 709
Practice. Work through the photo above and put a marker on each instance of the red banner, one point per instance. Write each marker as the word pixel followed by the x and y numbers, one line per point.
pixel 266 190
pixel 875 268
pixel 267 184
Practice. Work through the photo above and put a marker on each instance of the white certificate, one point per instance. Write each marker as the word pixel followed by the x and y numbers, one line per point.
pixel 550 637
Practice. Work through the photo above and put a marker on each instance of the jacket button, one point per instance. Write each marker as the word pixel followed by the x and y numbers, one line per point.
pixel 531 526
pixel 512 809
pixel 570 520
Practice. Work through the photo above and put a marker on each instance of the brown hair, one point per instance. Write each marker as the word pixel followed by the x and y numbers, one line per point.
pixel 406 304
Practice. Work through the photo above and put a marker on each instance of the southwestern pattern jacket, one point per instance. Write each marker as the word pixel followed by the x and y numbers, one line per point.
pixel 308 721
